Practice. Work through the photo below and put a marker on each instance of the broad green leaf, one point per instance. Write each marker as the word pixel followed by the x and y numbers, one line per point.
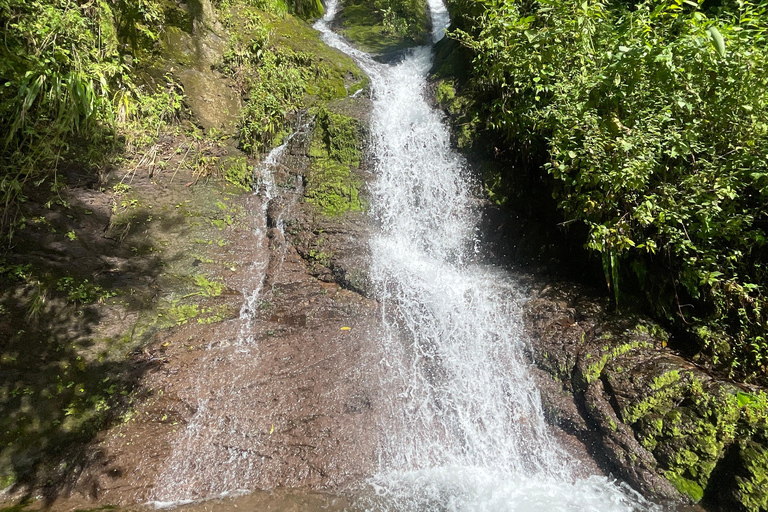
pixel 717 40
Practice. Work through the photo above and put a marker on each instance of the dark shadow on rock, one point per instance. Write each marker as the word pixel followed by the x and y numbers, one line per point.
pixel 61 381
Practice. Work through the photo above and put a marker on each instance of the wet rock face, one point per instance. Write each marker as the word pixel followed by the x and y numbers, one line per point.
pixel 284 396
pixel 669 428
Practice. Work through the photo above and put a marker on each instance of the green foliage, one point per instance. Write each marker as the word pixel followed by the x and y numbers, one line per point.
pixel 306 9
pixel 275 79
pixel 238 173
pixel 83 292
pixel 405 18
pixel 278 92
pixel 44 285
pixel 654 123
pixel 141 116
pixel 65 86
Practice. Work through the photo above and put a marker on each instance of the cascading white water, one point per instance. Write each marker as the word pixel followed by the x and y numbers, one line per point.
pixel 463 427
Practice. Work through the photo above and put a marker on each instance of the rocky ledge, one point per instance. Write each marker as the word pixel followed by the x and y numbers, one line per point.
pixel 670 428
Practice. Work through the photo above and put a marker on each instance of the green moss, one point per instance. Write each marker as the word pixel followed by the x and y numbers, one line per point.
pixel 448 97
pixel 340 136
pixel 665 380
pixel 445 93
pixel 335 75
pixel 333 188
pixel 237 172
pixel 466 125
pixel 7 480
pixel 214 314
pixel 367 26
pixel 180 314
pixel 207 287
pixel 686 427
pixel 595 370
pixel 336 148
pixel 652 330
pixel 320 257
pixel 686 486
pixel 177 47
pixel 659 402
pixel 753 489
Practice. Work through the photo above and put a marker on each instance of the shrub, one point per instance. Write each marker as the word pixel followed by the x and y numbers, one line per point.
pixel 656 131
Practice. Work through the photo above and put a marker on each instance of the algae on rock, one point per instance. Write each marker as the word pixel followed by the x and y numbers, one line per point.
pixel 665 425
pixel 336 149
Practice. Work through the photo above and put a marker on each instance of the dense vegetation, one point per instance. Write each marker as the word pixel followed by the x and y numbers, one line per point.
pixel 651 121
pixel 65 68
pixel 76 83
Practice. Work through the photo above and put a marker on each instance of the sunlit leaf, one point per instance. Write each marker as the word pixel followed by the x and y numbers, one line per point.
pixel 717 40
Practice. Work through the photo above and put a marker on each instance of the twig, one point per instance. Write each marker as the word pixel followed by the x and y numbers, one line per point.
pixel 183 159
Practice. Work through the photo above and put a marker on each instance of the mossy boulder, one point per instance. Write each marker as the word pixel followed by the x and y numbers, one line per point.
pixel 666 426
pixel 380 30
pixel 337 74
pixel 752 479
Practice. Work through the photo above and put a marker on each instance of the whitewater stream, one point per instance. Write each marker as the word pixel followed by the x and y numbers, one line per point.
pixel 456 419
pixel 464 429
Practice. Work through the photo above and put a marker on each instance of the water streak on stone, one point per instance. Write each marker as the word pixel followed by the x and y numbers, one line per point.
pixel 266 188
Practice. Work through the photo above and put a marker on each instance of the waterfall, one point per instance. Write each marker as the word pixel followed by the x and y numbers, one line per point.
pixel 216 455
pixel 463 427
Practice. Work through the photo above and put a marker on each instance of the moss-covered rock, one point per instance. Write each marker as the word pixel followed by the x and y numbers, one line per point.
pixel 753 481
pixel 381 28
pixel 280 67
pixel 336 76
pixel 336 149
pixel 704 436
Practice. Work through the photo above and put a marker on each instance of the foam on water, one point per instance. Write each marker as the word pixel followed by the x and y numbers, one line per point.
pixel 455 489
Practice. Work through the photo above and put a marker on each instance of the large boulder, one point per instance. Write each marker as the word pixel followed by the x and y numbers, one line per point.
pixel 671 429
